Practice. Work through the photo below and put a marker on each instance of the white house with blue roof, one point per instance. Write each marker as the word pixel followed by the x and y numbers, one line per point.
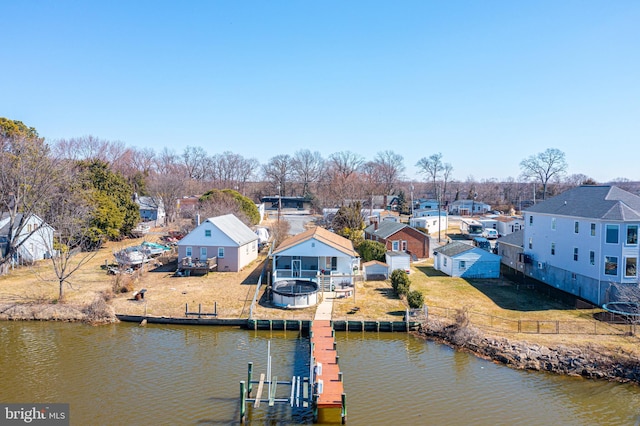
pixel 584 242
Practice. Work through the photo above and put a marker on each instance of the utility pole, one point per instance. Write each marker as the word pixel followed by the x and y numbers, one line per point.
pixel 279 202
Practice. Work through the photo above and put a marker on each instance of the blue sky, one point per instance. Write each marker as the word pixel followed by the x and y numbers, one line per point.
pixel 486 83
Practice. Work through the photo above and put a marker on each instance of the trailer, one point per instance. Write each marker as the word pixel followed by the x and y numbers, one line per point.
pixel 471 228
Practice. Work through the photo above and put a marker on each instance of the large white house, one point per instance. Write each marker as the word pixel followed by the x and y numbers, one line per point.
pixel 584 241
pixel 35 238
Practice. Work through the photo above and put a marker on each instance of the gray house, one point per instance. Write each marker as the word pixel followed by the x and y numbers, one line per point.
pixel 458 259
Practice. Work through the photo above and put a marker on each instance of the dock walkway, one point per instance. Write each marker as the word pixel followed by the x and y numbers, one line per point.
pixel 329 389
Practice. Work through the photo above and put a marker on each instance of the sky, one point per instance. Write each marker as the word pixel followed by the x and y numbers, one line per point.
pixel 485 83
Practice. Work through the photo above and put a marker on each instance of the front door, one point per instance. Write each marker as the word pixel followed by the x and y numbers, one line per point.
pixel 203 253
pixel 296 267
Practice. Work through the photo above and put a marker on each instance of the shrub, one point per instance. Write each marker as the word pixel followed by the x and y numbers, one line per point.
pixel 400 282
pixel 372 250
pixel 415 299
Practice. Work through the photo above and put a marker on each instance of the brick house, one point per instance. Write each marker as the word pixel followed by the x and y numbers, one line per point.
pixel 399 237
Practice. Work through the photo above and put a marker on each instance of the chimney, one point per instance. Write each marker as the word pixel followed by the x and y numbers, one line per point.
pixel 197 219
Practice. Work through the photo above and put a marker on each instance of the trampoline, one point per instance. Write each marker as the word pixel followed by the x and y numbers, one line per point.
pixel 294 293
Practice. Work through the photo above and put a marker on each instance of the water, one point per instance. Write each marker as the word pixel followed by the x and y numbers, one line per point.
pixel 162 375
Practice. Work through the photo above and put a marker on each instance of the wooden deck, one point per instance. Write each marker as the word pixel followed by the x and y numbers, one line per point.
pixel 330 402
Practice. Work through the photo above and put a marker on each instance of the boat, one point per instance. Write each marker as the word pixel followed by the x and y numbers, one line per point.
pixel 131 256
pixel 154 249
pixel 140 230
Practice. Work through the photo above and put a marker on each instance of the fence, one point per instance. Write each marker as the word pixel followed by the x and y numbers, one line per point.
pixel 508 325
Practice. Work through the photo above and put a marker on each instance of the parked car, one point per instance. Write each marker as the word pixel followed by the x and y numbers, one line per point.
pixel 490 234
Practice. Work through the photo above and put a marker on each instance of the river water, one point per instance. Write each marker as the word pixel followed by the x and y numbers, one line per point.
pixel 123 374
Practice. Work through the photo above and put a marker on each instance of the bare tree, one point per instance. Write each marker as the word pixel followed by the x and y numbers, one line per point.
pixel 431 167
pixel 543 167
pixel 28 175
pixel 277 172
pixel 307 167
pixel 195 160
pixel 389 166
pixel 73 244
pixel 343 168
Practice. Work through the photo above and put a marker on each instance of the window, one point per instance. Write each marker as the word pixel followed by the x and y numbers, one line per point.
pixel 207 232
pixel 630 266
pixel 188 251
pixel 593 229
pixel 395 245
pixel 530 243
pixel 610 265
pixel 575 253
pixel 221 252
pixel 553 223
pixel 404 245
pixel 612 234
pixel 576 227
pixel 463 264
pixel 632 235
pixel 530 220
pixel 445 261
pixel 553 249
pixel 592 257
pixel 574 276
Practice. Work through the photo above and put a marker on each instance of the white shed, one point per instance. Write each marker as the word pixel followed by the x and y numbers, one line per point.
pixel 398 260
pixel 374 270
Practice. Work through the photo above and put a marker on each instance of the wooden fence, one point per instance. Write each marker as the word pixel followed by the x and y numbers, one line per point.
pixel 508 325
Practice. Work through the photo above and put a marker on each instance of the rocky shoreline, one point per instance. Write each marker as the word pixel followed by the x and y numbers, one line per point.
pixel 571 361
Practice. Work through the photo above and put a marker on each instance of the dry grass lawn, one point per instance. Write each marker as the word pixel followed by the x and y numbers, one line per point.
pixel 232 293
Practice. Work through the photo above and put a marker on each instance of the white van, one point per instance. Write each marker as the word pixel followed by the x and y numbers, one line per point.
pixel 490 234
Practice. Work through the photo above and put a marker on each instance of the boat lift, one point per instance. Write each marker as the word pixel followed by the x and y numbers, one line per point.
pixel 298 396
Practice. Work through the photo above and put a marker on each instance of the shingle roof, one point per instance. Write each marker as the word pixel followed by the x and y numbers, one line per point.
pixel 234 228
pixel 453 248
pixel 322 235
pixel 385 229
pixel 594 202
pixel 515 238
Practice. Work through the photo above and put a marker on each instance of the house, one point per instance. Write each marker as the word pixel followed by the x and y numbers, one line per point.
pixel 35 238
pixel 422 204
pixel 313 254
pixel 510 249
pixel 459 259
pixel 509 224
pixel 151 209
pixel 428 220
pixel 225 239
pixel 276 202
pixel 399 237
pixel 187 206
pixel 468 208
pixel 584 242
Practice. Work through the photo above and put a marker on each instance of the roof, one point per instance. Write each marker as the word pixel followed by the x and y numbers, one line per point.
pixel 507 219
pixel 515 238
pixel 453 248
pixel 373 263
pixel 594 202
pixel 322 235
pixel 233 228
pixel 385 229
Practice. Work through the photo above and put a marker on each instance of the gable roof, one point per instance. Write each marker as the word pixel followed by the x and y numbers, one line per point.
pixel 453 248
pixel 322 235
pixel 592 201
pixel 233 228
pixel 385 229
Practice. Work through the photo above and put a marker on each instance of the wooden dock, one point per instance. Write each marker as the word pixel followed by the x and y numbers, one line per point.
pixel 328 390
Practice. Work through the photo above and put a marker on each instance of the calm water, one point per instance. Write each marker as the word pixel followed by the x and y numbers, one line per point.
pixel 161 375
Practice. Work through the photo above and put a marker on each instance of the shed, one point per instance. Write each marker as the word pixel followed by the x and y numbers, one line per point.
pixel 458 259
pixel 375 270
pixel 398 260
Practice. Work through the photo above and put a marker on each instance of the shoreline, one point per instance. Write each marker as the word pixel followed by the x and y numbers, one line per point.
pixel 587 362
